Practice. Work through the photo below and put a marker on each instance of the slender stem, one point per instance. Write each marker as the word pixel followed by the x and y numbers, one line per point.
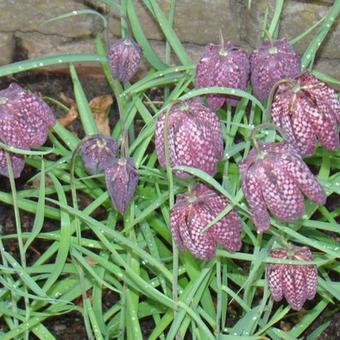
pixel 171 202
pixel 219 296
pixel 124 147
pixel 19 231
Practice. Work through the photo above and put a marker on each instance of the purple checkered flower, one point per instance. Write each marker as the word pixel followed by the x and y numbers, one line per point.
pixel 98 152
pixel 271 62
pixel 297 283
pixel 226 66
pixel 192 213
pixel 24 121
pixel 307 110
pixel 18 164
pixel 275 179
pixel 121 182
pixel 124 58
pixel 24 118
pixel 194 137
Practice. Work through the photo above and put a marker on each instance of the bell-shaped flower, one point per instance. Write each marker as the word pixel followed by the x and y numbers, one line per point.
pixel 296 282
pixel 271 62
pixel 307 110
pixel 194 137
pixel 275 178
pixel 193 212
pixel 223 66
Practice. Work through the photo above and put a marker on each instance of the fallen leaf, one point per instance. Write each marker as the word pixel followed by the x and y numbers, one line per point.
pixel 72 113
pixel 100 106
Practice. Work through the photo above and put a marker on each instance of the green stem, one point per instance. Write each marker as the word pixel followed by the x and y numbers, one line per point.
pixel 124 147
pixel 219 296
pixel 171 203
pixel 19 231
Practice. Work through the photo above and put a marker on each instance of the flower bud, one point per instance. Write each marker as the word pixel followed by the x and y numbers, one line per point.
pixel 124 58
pixel 121 182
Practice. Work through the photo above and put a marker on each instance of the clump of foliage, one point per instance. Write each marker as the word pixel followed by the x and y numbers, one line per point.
pixel 186 240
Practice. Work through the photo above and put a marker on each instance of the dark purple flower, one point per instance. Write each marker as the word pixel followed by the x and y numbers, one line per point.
pixel 275 179
pixel 18 164
pixel 307 110
pixel 226 66
pixel 271 62
pixel 192 213
pixel 194 137
pixel 296 283
pixel 121 182
pixel 124 58
pixel 24 118
pixel 98 152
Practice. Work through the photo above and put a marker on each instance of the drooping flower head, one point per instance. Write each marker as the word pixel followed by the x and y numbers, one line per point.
pixel 297 283
pixel 98 152
pixel 192 213
pixel 194 137
pixel 271 62
pixel 307 110
pixel 275 179
pixel 226 66
pixel 124 58
pixel 121 182
pixel 24 118
pixel 24 122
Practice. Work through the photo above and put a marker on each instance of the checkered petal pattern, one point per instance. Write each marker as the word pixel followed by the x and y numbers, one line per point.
pixel 194 137
pixel 307 110
pixel 297 283
pixel 271 62
pixel 98 152
pixel 24 122
pixel 124 58
pixel 223 67
pixel 121 181
pixel 192 213
pixel 275 179
pixel 18 164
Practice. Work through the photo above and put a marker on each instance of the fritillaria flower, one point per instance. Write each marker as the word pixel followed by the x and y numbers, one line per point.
pixel 222 66
pixel 307 110
pixel 275 179
pixel 24 118
pixel 297 283
pixel 124 58
pixel 121 182
pixel 192 213
pixel 271 62
pixel 98 152
pixel 18 164
pixel 194 137
pixel 24 121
